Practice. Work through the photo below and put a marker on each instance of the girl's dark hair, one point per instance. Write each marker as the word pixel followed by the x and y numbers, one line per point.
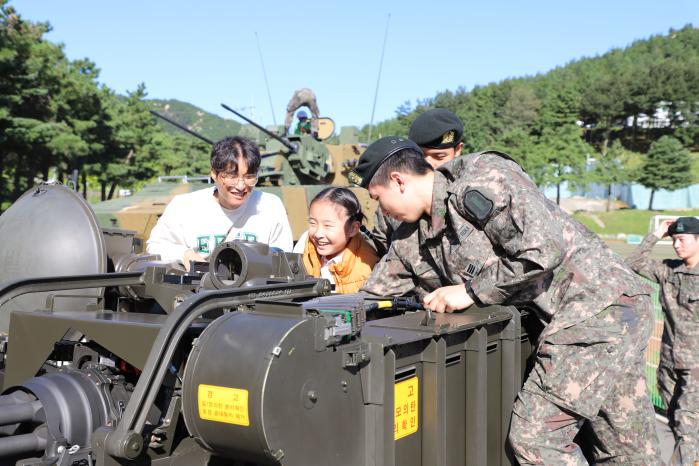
pixel 345 198
pixel 225 153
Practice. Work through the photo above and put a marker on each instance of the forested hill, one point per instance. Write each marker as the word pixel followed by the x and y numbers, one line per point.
pixel 661 72
pixel 615 108
pixel 207 124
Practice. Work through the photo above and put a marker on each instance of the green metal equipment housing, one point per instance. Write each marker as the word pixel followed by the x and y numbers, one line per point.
pixel 246 361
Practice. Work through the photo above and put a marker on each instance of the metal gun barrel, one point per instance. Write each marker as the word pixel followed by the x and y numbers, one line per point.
pixel 15 398
pixel 19 444
pixel 182 127
pixel 21 412
pixel 264 130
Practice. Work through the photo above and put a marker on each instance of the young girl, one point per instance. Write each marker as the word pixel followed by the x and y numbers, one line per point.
pixel 333 247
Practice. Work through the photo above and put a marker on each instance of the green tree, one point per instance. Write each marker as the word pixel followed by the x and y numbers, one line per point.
pixel 612 168
pixel 24 102
pixel 602 105
pixel 667 166
pixel 560 101
pixel 523 148
pixel 521 109
pixel 564 155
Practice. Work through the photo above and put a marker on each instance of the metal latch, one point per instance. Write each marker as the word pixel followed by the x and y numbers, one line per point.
pixel 355 357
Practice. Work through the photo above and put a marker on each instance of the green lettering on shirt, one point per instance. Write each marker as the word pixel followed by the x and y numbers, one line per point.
pixel 246 236
pixel 207 243
pixel 203 244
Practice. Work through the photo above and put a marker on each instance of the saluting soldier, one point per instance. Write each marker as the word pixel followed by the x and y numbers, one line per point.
pixel 596 311
pixel 438 132
pixel 678 371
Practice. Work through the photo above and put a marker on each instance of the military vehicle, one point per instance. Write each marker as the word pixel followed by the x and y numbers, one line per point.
pixel 116 358
pixel 294 167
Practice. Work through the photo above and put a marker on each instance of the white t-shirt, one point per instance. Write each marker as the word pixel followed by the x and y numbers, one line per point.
pixel 197 221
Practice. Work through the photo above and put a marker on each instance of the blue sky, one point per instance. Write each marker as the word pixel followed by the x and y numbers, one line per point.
pixel 206 53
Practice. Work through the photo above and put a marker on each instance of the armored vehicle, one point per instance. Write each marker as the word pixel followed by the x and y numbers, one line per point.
pixel 115 358
pixel 294 167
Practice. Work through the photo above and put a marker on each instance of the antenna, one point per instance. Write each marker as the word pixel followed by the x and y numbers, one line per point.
pixel 264 73
pixel 378 78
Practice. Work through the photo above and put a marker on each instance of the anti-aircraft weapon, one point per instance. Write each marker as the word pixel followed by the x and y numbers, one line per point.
pixel 244 360
pixel 293 167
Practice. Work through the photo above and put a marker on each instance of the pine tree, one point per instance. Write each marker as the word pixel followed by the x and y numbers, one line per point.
pixel 667 166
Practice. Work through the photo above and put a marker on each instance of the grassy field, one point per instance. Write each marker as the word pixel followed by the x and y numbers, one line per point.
pixel 628 221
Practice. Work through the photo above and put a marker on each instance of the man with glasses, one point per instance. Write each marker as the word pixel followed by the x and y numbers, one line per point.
pixel 193 224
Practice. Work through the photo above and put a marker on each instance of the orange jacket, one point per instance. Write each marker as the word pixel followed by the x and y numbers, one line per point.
pixel 358 259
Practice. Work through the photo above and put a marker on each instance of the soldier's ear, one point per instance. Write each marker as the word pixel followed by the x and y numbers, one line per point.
pixel 398 178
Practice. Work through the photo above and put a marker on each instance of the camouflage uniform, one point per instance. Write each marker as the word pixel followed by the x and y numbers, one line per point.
pixel 597 313
pixel 300 98
pixel 678 372
pixel 384 227
pixel 442 250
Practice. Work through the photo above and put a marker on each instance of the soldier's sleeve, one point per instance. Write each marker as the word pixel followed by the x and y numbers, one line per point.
pixel 382 230
pixel 520 221
pixel 643 265
pixel 390 277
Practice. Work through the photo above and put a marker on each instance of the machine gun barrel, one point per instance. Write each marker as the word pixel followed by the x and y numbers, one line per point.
pixel 264 130
pixel 182 127
pixel 20 444
pixel 20 412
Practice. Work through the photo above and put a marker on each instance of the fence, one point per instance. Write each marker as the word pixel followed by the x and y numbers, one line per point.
pixel 653 350
pixel 634 195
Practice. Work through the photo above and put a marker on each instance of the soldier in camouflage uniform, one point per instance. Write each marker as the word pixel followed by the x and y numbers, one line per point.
pixel 596 312
pixel 438 132
pixel 302 98
pixel 678 372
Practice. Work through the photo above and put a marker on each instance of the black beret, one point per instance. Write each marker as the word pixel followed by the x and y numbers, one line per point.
pixel 436 129
pixel 375 155
pixel 684 226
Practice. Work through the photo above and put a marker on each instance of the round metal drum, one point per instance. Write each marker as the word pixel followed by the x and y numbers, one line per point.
pixel 256 389
pixel 49 231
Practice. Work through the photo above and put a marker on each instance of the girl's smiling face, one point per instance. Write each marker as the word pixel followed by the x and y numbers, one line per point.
pixel 328 227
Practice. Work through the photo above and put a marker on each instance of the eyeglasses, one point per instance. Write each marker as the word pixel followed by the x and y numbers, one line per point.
pixel 232 178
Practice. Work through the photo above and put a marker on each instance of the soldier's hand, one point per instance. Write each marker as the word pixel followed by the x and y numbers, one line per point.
pixel 448 299
pixel 662 228
pixel 190 255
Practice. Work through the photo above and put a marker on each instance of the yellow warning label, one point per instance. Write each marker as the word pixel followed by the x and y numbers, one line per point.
pixel 223 404
pixel 406 404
